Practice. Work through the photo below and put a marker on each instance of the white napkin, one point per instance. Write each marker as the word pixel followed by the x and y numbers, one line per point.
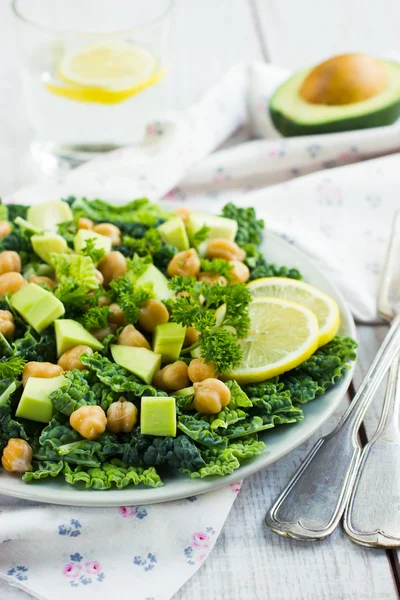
pixel 340 217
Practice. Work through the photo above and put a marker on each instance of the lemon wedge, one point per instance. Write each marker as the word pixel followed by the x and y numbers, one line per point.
pixel 107 72
pixel 282 335
pixel 323 306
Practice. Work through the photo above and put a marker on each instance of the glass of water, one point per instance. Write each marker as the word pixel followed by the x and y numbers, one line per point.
pixel 94 73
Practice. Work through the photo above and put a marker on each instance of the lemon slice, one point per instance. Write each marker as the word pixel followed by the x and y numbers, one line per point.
pixel 323 306
pixel 282 335
pixel 106 72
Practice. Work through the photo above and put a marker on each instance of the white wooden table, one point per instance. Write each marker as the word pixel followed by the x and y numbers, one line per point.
pixel 249 562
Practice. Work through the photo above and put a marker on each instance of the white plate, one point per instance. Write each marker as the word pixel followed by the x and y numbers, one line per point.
pixel 279 441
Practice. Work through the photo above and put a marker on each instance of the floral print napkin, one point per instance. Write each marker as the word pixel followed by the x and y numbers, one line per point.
pixel 223 148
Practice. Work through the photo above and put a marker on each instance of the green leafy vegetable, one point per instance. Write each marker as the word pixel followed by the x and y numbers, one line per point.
pixel 147 245
pixel 43 469
pixel 218 344
pixel 129 298
pixel 96 317
pixel 76 276
pixel 249 227
pixel 16 210
pixel 19 240
pixel 201 235
pixel 115 472
pixel 117 378
pixel 199 430
pixel 138 211
pixel 11 367
pixel 218 266
pixel 90 249
pixel 36 347
pixel 75 393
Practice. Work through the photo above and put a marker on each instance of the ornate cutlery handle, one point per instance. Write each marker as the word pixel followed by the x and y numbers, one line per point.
pixel 311 505
pixel 372 515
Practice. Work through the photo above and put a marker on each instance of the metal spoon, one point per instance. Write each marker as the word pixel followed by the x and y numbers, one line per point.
pixel 312 504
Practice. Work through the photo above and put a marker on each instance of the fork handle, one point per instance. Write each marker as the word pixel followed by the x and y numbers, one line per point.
pixel 311 505
pixel 371 517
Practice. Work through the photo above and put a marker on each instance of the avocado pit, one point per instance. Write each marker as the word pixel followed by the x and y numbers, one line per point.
pixel 344 79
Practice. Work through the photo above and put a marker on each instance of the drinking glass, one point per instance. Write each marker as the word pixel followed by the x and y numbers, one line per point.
pixel 94 73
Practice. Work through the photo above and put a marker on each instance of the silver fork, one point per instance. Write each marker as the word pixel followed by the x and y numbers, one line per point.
pixel 372 517
pixel 312 504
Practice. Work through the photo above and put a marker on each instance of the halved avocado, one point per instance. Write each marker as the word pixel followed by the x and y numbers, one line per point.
pixel 346 92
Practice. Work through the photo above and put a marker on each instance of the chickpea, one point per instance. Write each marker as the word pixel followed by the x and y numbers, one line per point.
pixel 211 396
pixel 220 248
pixel 11 283
pixel 199 370
pixel 191 336
pixel 172 377
pixel 104 301
pixel 38 279
pixel 71 358
pixel 89 421
pixel 240 272
pixel 99 277
pixel 109 230
pixel 102 332
pixel 45 370
pixel 184 213
pixel 117 315
pixel 121 416
pixel 84 223
pixel 112 266
pixel 130 336
pixel 152 313
pixel 186 263
pixel 9 262
pixel 17 456
pixel 212 278
pixel 5 229
pixel 7 326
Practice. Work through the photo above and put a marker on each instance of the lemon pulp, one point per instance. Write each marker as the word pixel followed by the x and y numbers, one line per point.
pixel 282 335
pixel 107 72
pixel 323 306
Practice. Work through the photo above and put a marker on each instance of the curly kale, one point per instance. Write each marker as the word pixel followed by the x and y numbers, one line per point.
pixel 113 473
pixel 138 211
pixel 178 453
pixel 19 240
pixel 249 227
pixel 36 347
pixel 117 378
pixel 162 257
pixel 75 393
pixel 16 210
pixel 9 427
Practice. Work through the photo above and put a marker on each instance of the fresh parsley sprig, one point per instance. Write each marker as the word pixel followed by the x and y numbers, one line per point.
pixel 196 304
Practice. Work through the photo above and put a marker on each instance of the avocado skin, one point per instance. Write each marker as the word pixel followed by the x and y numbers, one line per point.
pixel 377 118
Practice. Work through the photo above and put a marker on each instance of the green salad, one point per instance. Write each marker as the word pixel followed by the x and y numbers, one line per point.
pixel 135 342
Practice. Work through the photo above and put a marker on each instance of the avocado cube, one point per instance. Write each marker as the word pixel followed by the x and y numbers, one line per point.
pixel 47 243
pixel 174 232
pixel 168 340
pixel 153 278
pixel 187 391
pixel 37 306
pixel 219 227
pixel 158 416
pixel 101 242
pixel 35 404
pixel 46 215
pixel 139 361
pixel 70 333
